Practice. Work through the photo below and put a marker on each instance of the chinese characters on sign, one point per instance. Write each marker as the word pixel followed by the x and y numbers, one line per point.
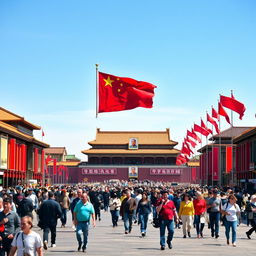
pixel 158 171
pixel 100 171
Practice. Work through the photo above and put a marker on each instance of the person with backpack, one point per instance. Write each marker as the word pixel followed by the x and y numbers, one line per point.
pixel 27 242
pixel 230 210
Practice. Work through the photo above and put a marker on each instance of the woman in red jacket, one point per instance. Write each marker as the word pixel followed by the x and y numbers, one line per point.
pixel 200 208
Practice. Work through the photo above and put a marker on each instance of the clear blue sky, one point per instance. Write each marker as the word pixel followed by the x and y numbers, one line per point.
pixel 192 50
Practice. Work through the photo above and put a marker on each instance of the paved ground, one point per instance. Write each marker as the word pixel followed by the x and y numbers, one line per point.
pixel 106 240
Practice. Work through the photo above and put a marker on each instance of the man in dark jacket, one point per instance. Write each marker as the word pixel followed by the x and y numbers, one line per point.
pixel 49 213
pixel 26 206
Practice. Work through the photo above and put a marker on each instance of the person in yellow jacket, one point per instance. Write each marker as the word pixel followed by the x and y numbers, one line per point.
pixel 186 213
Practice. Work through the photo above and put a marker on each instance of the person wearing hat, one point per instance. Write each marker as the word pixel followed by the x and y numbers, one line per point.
pixel 213 205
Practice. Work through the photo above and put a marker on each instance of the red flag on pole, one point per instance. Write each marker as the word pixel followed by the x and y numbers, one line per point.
pixel 222 112
pixel 122 93
pixel 233 104
pixel 191 142
pixel 54 166
pixel 188 147
pixel 203 125
pixel 197 138
pixel 215 114
pixel 201 130
pixel 211 120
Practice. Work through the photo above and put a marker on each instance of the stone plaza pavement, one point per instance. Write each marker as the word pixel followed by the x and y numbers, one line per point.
pixel 106 240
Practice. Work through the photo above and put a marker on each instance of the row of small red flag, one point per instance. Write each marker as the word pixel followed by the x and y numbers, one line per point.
pixel 56 169
pixel 192 138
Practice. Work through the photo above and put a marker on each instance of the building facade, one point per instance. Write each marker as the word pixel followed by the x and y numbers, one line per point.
pixel 21 155
pixel 220 160
pixel 132 155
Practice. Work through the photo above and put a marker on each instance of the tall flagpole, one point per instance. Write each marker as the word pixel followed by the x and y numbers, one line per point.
pixel 212 156
pixel 220 163
pixel 97 89
pixel 232 174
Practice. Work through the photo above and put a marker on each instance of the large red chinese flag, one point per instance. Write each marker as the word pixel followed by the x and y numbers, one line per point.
pixel 122 93
pixel 222 112
pixel 233 104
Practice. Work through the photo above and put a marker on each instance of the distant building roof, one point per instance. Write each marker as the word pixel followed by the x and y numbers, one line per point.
pixel 132 152
pixel 6 115
pixel 66 163
pixel 230 132
pixel 122 137
pixel 245 135
pixel 193 164
pixel 71 158
pixel 56 151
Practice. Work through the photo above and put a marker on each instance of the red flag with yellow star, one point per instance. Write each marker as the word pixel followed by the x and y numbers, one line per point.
pixel 123 93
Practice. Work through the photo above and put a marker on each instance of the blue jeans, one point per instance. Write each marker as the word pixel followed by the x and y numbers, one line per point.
pixel 143 219
pixel 233 226
pixel 115 216
pixel 154 211
pixel 82 229
pixel 128 222
pixel 199 226
pixel 214 222
pixel 64 216
pixel 169 224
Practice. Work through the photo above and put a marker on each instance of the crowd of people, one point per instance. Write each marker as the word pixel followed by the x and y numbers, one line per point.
pixel 166 207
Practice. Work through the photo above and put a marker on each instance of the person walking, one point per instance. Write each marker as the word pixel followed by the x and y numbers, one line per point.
pixel 76 198
pixel 143 210
pixel 200 209
pixel 65 204
pixel 186 213
pixel 127 211
pixel 252 216
pixel 231 210
pixel 82 213
pixel 10 222
pixel 167 212
pixel 26 206
pixel 114 205
pixel 214 213
pixel 27 242
pixel 49 212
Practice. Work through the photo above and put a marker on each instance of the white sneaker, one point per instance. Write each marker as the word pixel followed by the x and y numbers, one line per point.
pixel 53 245
pixel 45 245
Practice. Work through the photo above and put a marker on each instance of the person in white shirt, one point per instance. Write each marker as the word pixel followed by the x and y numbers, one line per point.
pixel 27 242
pixel 230 210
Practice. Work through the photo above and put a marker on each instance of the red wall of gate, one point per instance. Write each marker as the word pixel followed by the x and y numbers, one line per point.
pixel 101 174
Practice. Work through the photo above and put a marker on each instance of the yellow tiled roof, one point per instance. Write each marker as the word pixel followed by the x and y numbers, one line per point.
pixel 6 115
pixel 65 163
pixel 193 164
pixel 122 137
pixel 15 132
pixel 130 151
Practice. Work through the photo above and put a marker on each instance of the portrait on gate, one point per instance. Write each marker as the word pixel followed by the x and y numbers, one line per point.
pixel 133 172
pixel 133 143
